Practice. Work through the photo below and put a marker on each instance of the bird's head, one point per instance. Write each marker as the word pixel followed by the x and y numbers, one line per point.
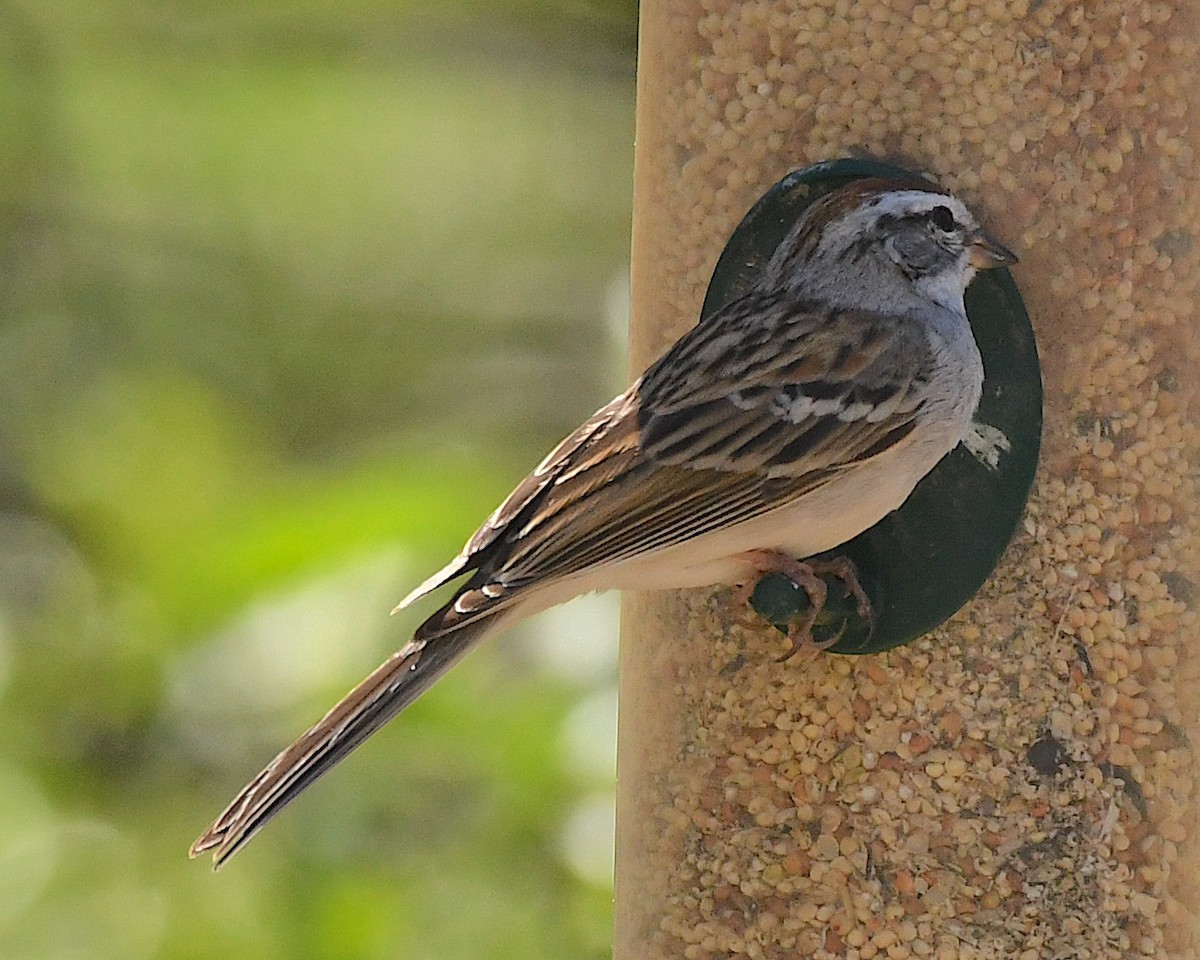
pixel 878 242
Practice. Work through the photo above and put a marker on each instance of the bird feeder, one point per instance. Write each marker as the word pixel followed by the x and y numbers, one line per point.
pixel 1018 781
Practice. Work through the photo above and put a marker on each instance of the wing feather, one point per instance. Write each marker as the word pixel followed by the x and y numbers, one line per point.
pixel 571 451
pixel 760 404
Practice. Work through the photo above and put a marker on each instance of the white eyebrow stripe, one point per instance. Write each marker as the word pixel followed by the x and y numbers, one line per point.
pixel 853 225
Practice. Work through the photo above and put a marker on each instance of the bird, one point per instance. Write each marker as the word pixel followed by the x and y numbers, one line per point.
pixel 779 427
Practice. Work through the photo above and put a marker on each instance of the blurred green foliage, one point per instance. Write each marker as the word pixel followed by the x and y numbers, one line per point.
pixel 290 295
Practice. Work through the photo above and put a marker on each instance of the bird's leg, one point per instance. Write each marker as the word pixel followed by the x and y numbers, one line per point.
pixel 806 576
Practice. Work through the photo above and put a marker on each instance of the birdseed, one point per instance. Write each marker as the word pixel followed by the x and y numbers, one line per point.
pixel 1019 783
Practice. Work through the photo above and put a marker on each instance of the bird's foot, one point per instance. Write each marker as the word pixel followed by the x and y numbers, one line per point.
pixel 806 575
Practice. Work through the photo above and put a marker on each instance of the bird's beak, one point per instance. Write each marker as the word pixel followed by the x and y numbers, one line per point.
pixel 984 252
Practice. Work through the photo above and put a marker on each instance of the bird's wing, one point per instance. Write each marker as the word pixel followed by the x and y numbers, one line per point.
pixel 753 408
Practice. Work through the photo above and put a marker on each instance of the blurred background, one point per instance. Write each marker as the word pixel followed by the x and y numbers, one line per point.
pixel 292 292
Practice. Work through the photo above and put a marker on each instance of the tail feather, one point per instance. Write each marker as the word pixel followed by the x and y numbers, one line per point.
pixel 395 684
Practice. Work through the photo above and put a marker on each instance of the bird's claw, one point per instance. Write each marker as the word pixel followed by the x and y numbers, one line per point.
pixel 807 576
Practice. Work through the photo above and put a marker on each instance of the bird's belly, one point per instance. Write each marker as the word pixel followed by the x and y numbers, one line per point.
pixel 811 524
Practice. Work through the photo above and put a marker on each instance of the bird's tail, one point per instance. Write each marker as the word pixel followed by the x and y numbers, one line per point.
pixel 393 686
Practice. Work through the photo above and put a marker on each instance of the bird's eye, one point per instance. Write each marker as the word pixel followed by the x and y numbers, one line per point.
pixel 942 218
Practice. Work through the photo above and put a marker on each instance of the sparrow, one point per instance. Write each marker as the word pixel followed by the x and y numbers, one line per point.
pixel 781 426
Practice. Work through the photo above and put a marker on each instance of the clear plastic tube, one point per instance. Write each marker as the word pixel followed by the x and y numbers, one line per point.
pixel 1020 783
